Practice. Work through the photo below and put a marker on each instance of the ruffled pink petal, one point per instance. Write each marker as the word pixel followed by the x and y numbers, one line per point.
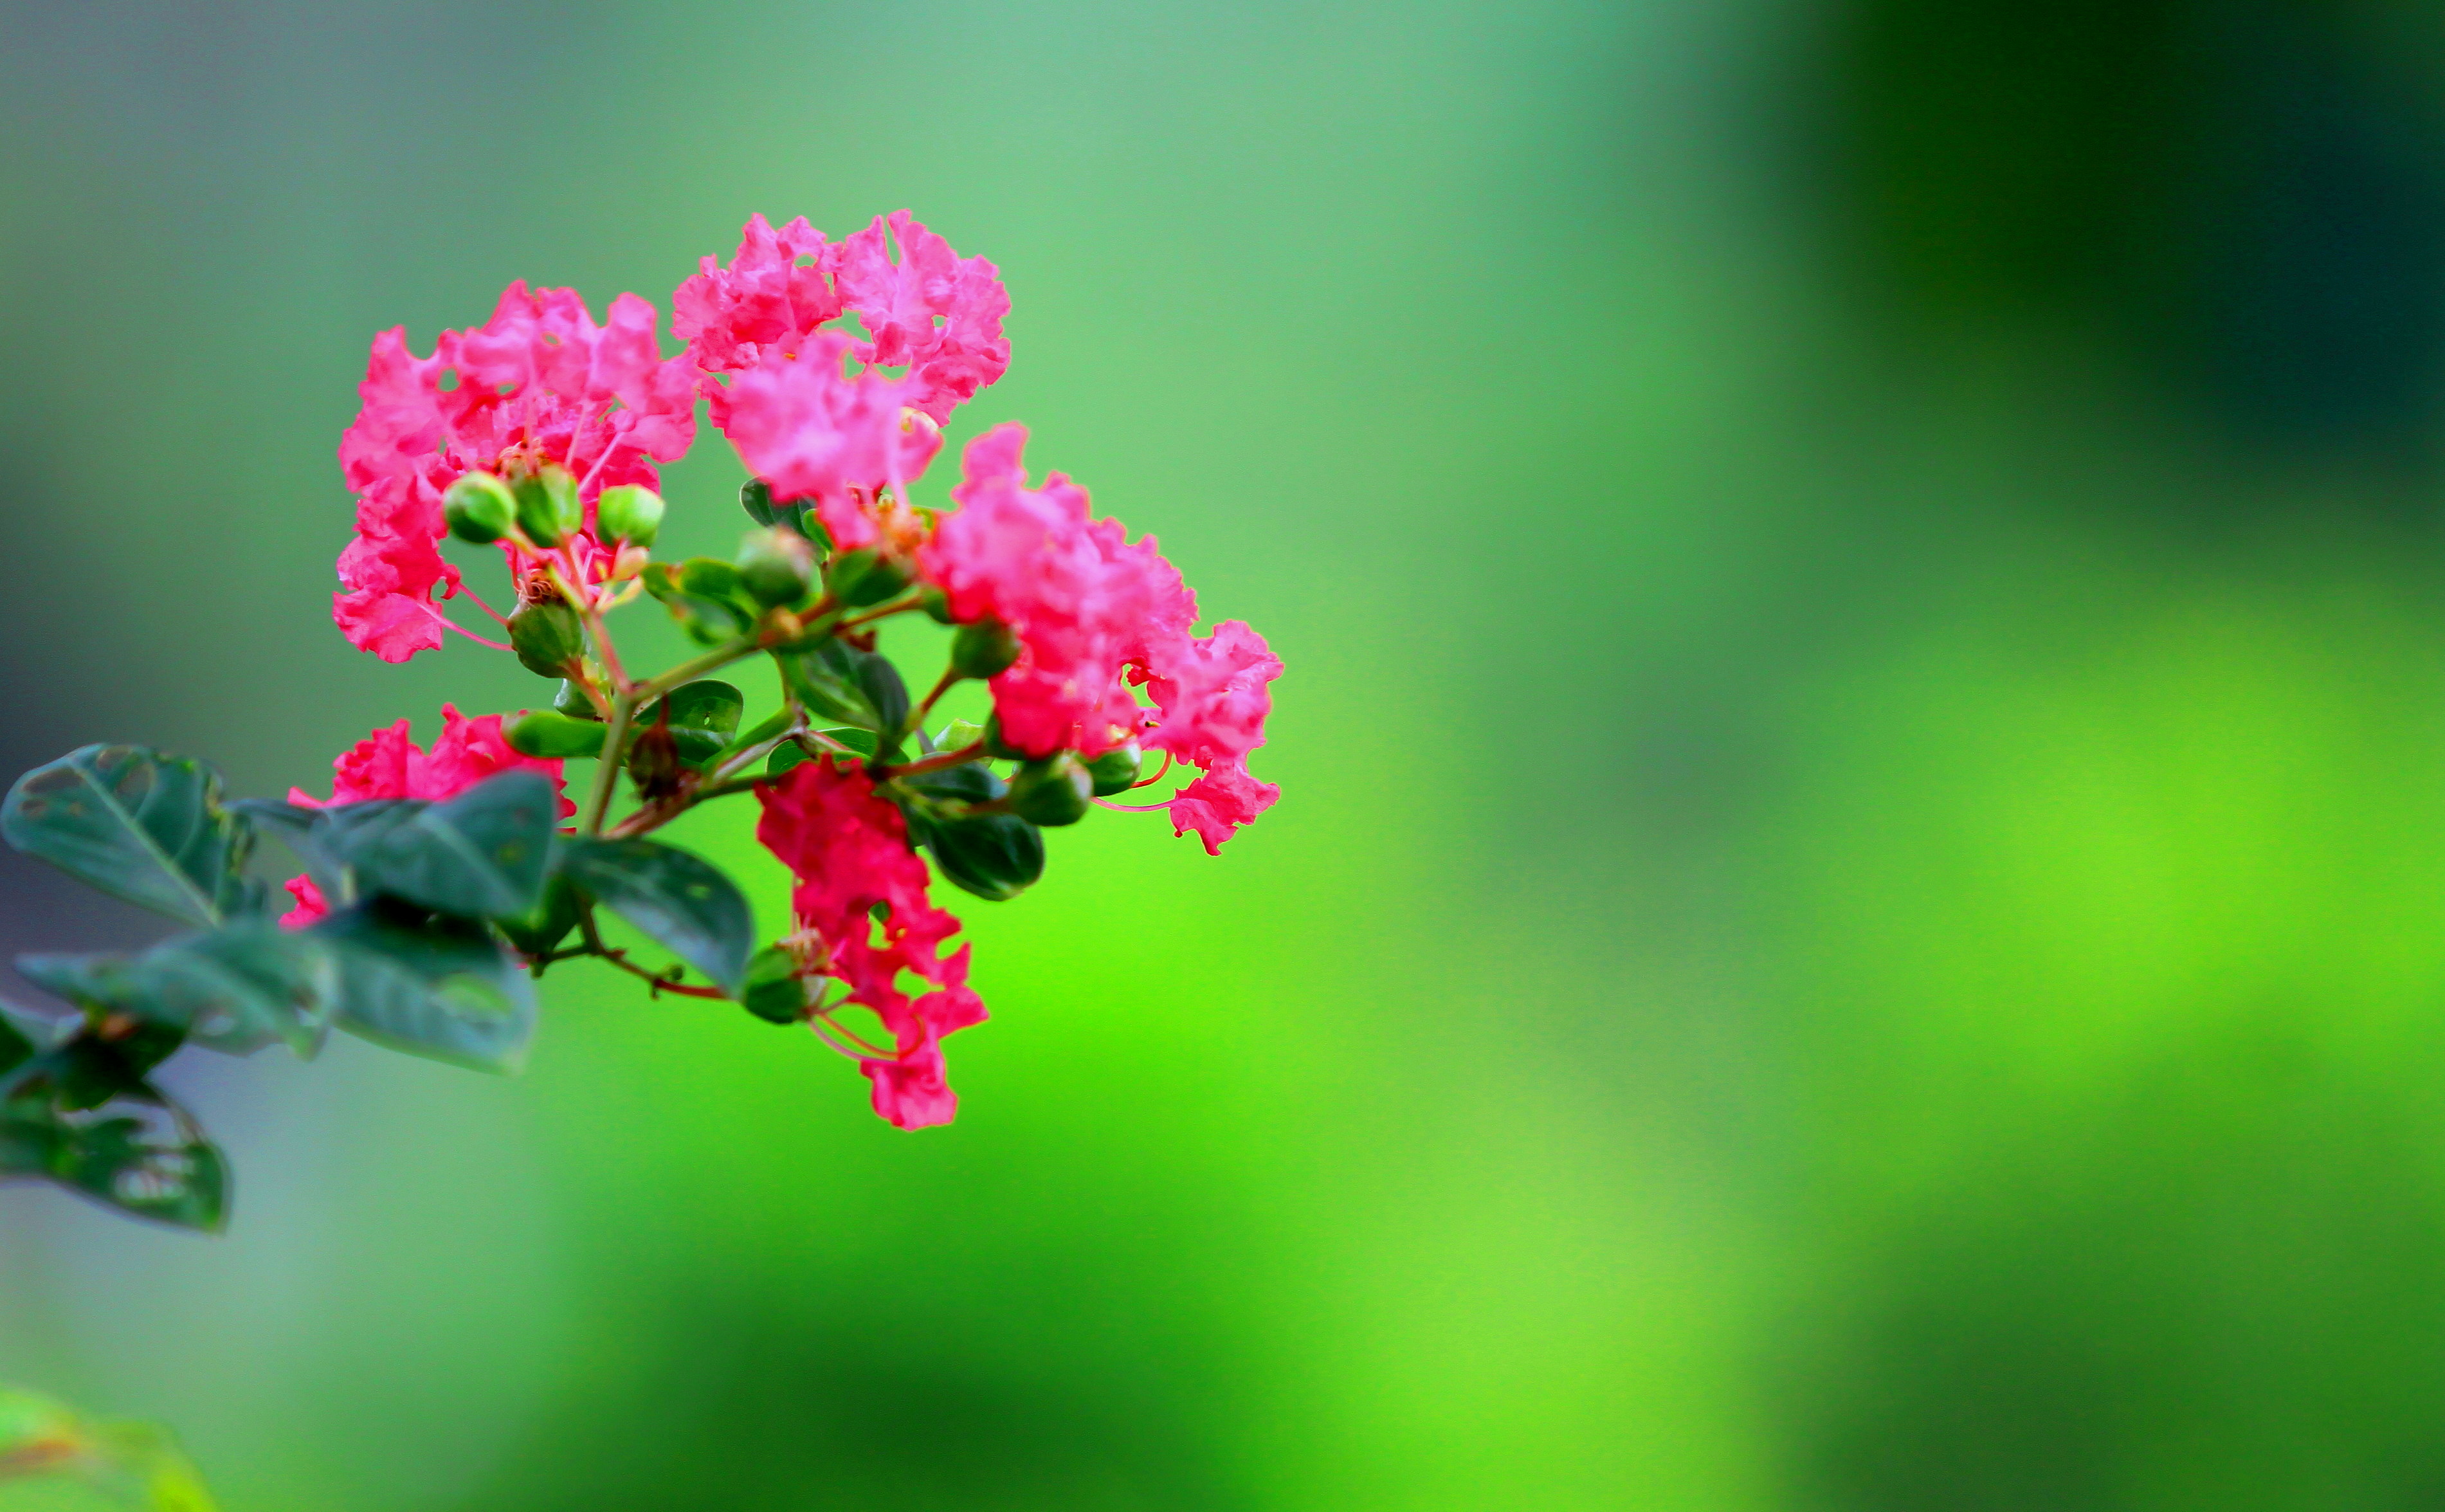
pixel 1219 803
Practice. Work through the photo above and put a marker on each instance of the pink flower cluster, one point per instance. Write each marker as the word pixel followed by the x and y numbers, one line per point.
pixel 387 764
pixel 539 382
pixel 831 367
pixel 864 918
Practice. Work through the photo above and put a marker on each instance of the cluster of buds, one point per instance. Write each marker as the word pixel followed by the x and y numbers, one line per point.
pixel 540 432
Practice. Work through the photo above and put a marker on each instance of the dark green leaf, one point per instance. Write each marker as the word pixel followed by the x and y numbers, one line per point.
pixel 683 902
pixel 534 934
pixel 234 990
pixel 968 782
pixel 825 679
pixel 880 681
pixel 430 984
pixel 993 855
pixel 482 854
pixel 145 1160
pixel 137 825
pixel 707 703
pixel 82 1113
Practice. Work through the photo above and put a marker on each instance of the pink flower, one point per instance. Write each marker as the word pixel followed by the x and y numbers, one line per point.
pixel 538 382
pixel 776 291
pixel 387 764
pixel 1085 602
pixel 1212 694
pixel 811 432
pixel 865 919
pixel 935 313
pixel 1218 802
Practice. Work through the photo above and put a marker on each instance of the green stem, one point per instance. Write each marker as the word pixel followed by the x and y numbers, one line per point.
pixel 606 769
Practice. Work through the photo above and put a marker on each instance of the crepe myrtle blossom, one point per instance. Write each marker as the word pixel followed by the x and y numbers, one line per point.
pixel 831 368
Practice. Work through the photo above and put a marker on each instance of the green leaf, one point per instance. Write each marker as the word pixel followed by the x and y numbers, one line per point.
pixel 680 902
pixel 825 679
pixel 709 619
pixel 537 933
pixel 82 1114
pixel 233 990
pixel 140 826
pixel 142 1158
pixel 836 680
pixel 996 856
pixel 483 854
pixel 707 703
pixel 431 984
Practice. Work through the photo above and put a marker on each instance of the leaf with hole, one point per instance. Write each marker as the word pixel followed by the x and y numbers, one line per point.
pixel 141 825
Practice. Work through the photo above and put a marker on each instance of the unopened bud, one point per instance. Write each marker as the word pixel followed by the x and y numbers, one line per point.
pixel 1050 791
pixel 775 991
pixel 777 567
pixel 478 509
pixel 860 577
pixel 627 513
pixel 756 498
pixel 547 637
pixel 654 763
pixel 1116 771
pixel 548 512
pixel 571 701
pixel 556 736
pixel 936 604
pixel 983 648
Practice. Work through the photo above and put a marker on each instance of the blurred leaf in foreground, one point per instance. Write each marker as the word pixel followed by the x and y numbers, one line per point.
pixel 131 1464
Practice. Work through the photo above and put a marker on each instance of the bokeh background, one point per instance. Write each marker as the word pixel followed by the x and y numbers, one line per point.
pixel 1859 915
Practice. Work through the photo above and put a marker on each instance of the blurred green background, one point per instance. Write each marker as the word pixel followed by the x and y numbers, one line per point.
pixel 1857 920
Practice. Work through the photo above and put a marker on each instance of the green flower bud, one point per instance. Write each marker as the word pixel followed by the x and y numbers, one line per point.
pixel 774 991
pixel 982 648
pixel 756 498
pixel 777 567
pixel 1051 791
pixel 859 578
pixel 571 701
pixel 556 736
pixel 936 604
pixel 479 508
pixel 547 637
pixel 547 510
pixel 628 513
pixel 1116 771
